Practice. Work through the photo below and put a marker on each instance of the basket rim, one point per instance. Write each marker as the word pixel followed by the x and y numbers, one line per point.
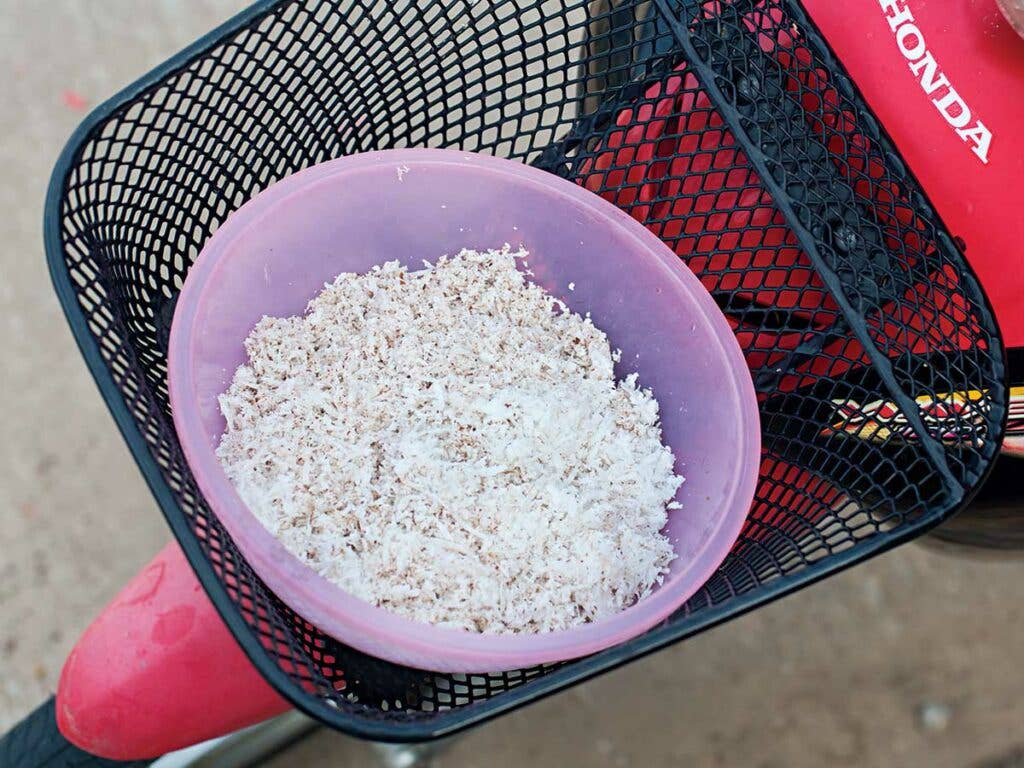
pixel 439 723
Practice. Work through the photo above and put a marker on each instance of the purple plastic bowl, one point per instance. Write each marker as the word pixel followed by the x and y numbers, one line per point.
pixel 275 253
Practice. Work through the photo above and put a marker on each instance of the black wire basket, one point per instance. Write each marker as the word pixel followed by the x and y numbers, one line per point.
pixel 728 128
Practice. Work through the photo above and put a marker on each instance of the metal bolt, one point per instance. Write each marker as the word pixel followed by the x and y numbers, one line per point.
pixel 845 238
pixel 748 86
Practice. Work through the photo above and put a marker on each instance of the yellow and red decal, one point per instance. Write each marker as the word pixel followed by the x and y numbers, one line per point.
pixel 1013 442
pixel 956 417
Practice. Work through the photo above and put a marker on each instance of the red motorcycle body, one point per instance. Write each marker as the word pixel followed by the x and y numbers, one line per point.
pixel 933 71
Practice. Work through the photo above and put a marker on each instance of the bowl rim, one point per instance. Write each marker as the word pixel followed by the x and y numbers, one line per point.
pixel 378 631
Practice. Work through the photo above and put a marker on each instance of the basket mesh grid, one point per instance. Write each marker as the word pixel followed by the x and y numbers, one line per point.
pixel 726 127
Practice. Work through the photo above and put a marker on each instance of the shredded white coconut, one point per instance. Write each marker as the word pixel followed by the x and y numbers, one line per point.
pixel 451 444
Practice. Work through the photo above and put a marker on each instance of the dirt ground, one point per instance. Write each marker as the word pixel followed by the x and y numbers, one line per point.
pixel 913 659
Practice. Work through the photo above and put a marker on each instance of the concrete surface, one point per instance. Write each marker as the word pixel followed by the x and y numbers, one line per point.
pixel 911 660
